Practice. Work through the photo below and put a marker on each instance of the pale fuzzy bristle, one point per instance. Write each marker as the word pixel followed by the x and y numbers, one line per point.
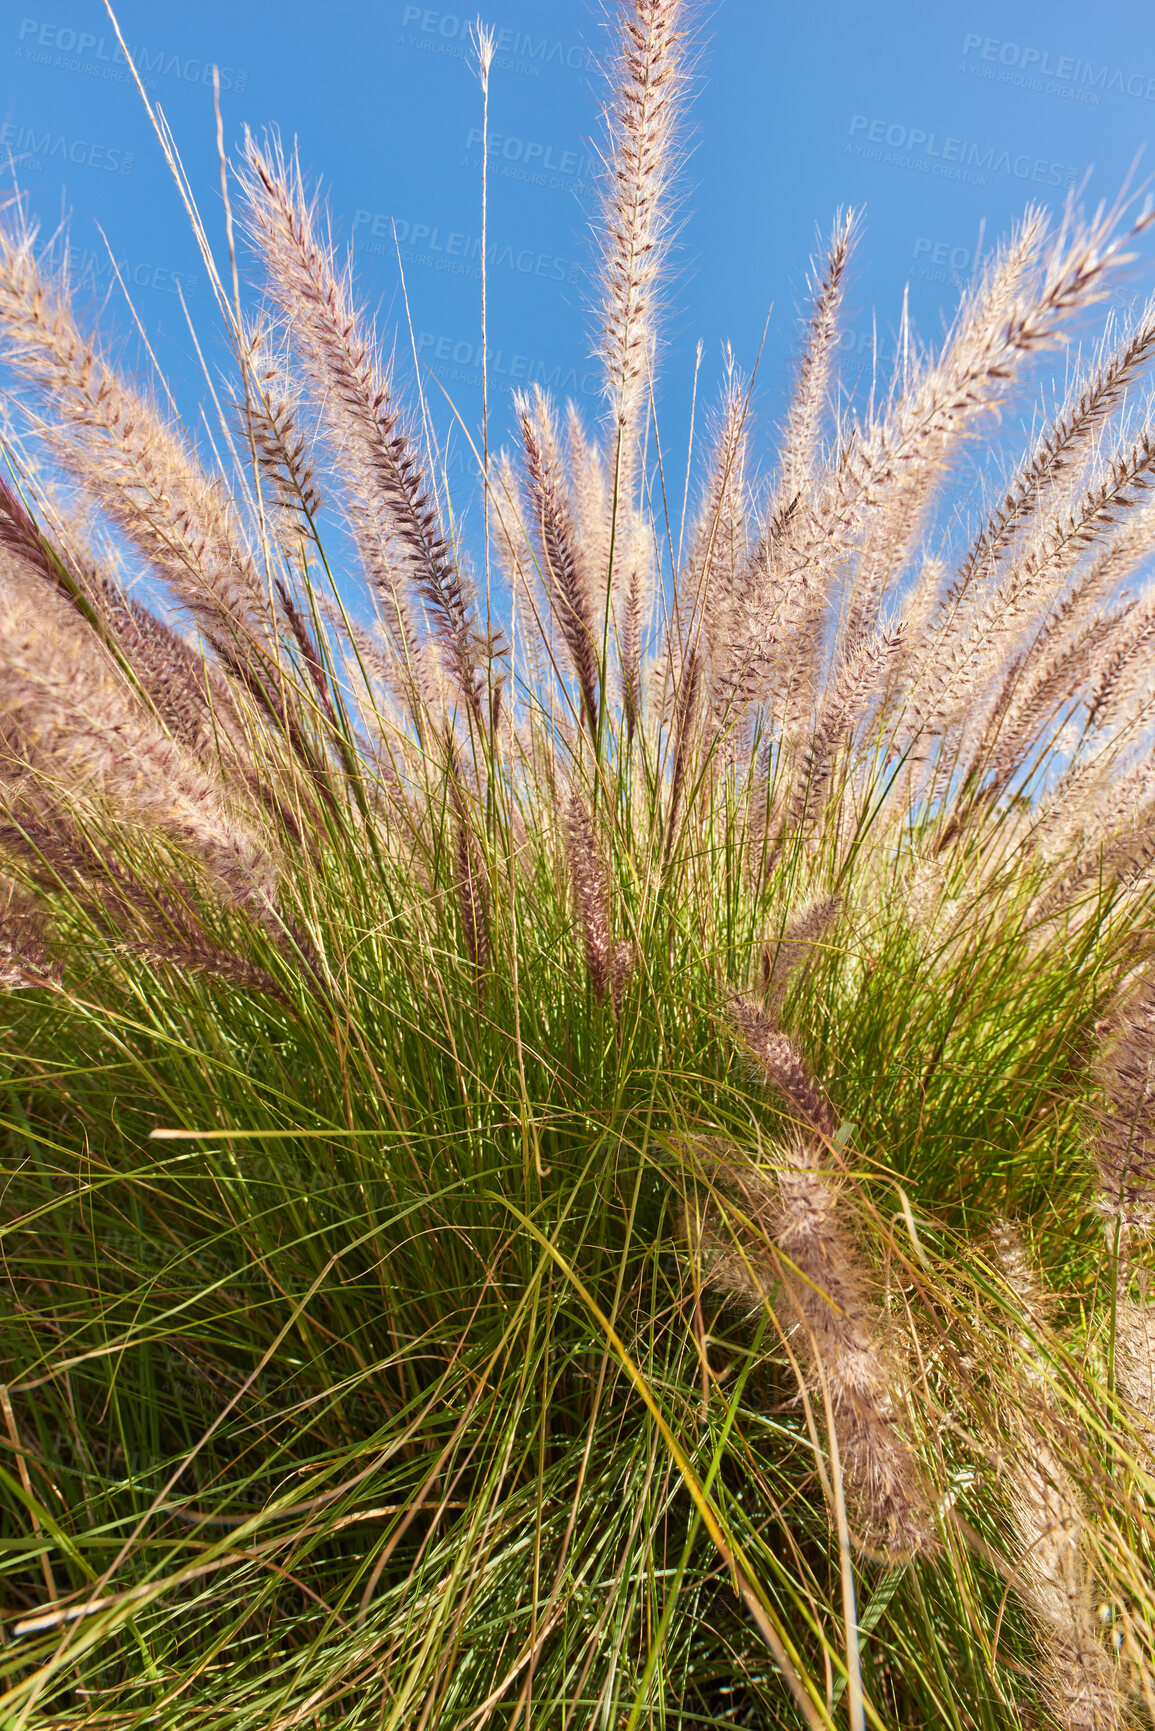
pixel 901 450
pixel 53 849
pixel 827 1284
pixel 890 539
pixel 898 458
pixel 692 683
pixel 733 1262
pixel 959 669
pixel 191 697
pixel 623 967
pixel 1122 677
pixel 1093 803
pixel 687 712
pixel 591 491
pixel 1080 1679
pixel 187 692
pixel 1038 690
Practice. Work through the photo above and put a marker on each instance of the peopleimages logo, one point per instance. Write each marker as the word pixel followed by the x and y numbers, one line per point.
pixel 940 261
pixel 59 45
pixel 941 252
pixel 1041 63
pixel 95 270
pixel 951 158
pixel 457 253
pixel 33 148
pixel 530 161
pixel 465 358
pixel 529 153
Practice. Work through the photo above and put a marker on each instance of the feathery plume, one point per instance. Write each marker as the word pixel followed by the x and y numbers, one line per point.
pixel 788 1231
pixel 785 955
pixel 706 616
pixel 633 587
pixel 1125 1145
pixel 686 717
pixel 1104 864
pixel 640 121
pixel 783 1066
pixel 844 704
pixel 959 667
pixel 590 880
pixel 1062 442
pixel 903 450
pixel 562 561
pixel 803 1216
pixel 736 1263
pixel 130 461
pixel 1029 705
pixel 189 693
pixel 64 721
pixel 623 966
pixel 55 854
pixel 1053 1576
pixel 272 415
pixel 826 1283
pixel 802 545
pixel 201 957
pixel 1079 1676
pixel 186 691
pixel 364 422
pixel 800 454
pixel 1124 671
pixel 509 519
pixel 24 957
pixel 1135 1349
pixel 592 504
pixel 469 873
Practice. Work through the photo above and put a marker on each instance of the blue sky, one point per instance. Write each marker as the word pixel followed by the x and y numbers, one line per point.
pixel 939 121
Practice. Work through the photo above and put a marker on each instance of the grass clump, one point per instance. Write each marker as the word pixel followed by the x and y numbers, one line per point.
pixel 581 1155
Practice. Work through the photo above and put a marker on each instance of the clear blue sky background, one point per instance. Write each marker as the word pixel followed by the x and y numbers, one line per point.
pixel 939 120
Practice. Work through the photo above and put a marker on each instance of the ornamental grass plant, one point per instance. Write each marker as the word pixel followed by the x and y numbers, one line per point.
pixel 578 1121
